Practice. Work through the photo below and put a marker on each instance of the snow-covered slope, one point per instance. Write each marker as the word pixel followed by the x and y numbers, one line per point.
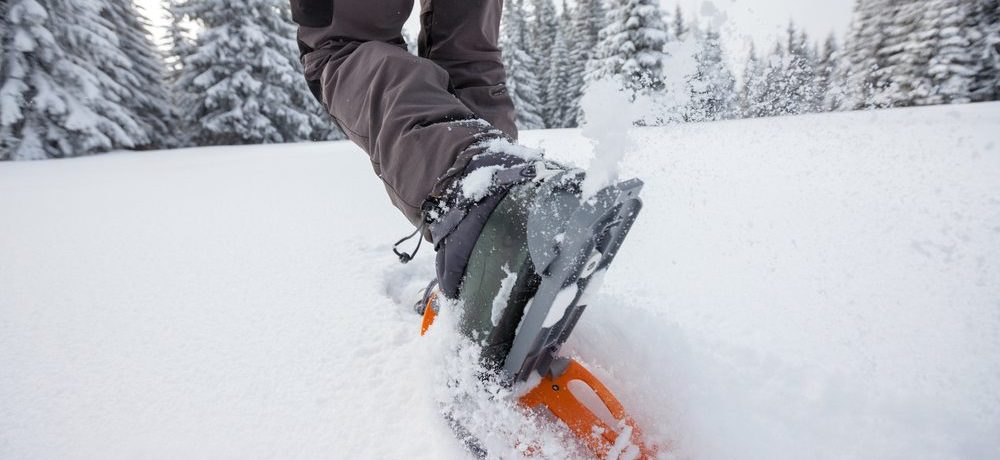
pixel 813 287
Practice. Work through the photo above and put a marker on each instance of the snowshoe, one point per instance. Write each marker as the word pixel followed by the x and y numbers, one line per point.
pixel 540 251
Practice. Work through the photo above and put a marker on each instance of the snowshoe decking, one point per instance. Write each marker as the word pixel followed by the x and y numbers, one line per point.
pixel 540 253
pixel 571 243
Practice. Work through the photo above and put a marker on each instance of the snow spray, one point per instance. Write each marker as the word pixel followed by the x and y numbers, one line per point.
pixel 610 111
pixel 607 119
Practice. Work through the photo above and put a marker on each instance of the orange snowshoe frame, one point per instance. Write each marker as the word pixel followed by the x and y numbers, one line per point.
pixel 553 393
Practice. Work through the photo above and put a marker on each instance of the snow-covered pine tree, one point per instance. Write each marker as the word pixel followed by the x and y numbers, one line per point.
pixel 141 76
pixel 986 50
pixel 542 30
pixel 680 28
pixel 828 90
pixel 800 75
pixel 178 40
pixel 558 94
pixel 752 90
pixel 903 57
pixel 713 93
pixel 919 48
pixel 985 85
pixel 774 99
pixel 953 66
pixel 587 20
pixel 54 101
pixel 630 47
pixel 863 41
pixel 522 79
pixel 178 43
pixel 6 136
pixel 985 20
pixel 244 77
pixel 101 48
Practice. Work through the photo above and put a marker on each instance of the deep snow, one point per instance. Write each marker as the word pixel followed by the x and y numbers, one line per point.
pixel 824 286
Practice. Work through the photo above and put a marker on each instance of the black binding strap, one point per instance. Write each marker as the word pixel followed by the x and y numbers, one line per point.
pixel 502 180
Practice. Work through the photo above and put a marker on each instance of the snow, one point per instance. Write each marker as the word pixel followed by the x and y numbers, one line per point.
pixel 823 286
pixel 608 118
pixel 484 408
pixel 476 184
pixel 503 296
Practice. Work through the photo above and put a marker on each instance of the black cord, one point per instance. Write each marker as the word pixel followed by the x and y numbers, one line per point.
pixel 404 257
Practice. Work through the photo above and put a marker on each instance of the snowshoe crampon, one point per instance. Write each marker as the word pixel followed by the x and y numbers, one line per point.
pixel 566 244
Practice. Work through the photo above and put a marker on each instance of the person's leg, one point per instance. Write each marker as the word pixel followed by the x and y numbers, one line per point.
pixel 396 106
pixel 462 37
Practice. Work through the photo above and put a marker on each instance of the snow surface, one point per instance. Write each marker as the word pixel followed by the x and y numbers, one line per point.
pixel 824 286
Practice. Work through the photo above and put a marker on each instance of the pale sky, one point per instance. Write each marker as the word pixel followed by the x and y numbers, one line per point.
pixel 738 20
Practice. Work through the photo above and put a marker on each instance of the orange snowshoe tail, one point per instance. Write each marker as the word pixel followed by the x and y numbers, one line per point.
pixel 555 395
pixel 599 428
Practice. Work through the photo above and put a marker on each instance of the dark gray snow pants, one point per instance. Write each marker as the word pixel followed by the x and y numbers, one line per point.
pixel 417 117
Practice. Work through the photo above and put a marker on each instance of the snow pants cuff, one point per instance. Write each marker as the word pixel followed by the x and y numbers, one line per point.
pixel 399 109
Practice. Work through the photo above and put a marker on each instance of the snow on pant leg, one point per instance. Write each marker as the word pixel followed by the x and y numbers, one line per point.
pixel 398 108
pixel 462 37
